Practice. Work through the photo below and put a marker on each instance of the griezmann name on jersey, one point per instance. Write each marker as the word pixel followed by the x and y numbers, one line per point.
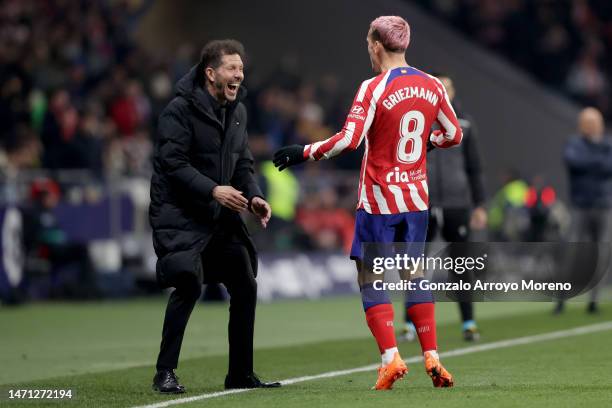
pixel 394 113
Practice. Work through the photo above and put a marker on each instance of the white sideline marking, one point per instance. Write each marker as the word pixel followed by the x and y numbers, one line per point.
pixel 593 328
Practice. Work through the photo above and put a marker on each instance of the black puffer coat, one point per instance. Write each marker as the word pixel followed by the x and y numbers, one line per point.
pixel 193 154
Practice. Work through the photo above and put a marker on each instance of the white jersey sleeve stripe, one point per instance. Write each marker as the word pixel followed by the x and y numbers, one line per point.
pixel 443 91
pixel 362 90
pixel 383 208
pixel 314 147
pixel 366 127
pixel 416 198
pixel 448 125
pixel 399 198
pixel 364 199
pixel 362 196
pixel 448 102
pixel 372 108
pixel 342 143
pixel 425 187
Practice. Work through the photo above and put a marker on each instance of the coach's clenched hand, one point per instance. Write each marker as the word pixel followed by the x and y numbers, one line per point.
pixel 289 156
pixel 231 198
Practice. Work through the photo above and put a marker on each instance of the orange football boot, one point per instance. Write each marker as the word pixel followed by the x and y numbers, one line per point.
pixel 390 373
pixel 439 376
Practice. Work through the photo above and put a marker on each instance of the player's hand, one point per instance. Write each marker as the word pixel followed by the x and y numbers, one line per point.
pixel 231 198
pixel 289 156
pixel 478 220
pixel 262 210
pixel 437 139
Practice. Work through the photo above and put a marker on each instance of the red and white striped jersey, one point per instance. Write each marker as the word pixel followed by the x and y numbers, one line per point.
pixel 394 113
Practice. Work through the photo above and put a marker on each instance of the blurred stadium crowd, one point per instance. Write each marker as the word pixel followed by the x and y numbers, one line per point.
pixel 79 100
pixel 73 84
pixel 572 47
pixel 78 93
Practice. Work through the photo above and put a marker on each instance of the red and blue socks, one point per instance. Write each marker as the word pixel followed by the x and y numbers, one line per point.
pixel 421 311
pixel 379 316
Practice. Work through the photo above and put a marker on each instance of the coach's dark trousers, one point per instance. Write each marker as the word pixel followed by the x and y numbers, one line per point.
pixel 225 260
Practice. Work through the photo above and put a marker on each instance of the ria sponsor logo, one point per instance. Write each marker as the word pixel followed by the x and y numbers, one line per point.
pixel 358 110
pixel 397 176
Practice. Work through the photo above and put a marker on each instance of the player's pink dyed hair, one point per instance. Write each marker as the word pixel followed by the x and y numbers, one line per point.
pixel 393 32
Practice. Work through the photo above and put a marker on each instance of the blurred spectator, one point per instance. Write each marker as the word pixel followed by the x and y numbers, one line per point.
pixel 589 160
pixel 587 82
pixel 131 109
pixel 508 216
pixel 77 54
pixel 90 141
pixel 282 192
pixel 548 217
pixel 329 226
pixel 21 153
pixel 45 239
pixel 281 189
pixel 59 128
pixel 137 150
pixel 160 87
pixel 588 157
pixel 573 39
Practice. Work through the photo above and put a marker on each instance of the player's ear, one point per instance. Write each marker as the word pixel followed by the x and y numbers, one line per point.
pixel 378 47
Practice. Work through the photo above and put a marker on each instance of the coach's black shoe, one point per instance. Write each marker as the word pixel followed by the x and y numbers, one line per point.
pixel 166 382
pixel 249 381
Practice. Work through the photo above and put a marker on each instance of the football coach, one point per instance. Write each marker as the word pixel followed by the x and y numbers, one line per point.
pixel 202 180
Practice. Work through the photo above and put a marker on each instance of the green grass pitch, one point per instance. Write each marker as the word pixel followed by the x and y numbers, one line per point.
pixel 106 351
